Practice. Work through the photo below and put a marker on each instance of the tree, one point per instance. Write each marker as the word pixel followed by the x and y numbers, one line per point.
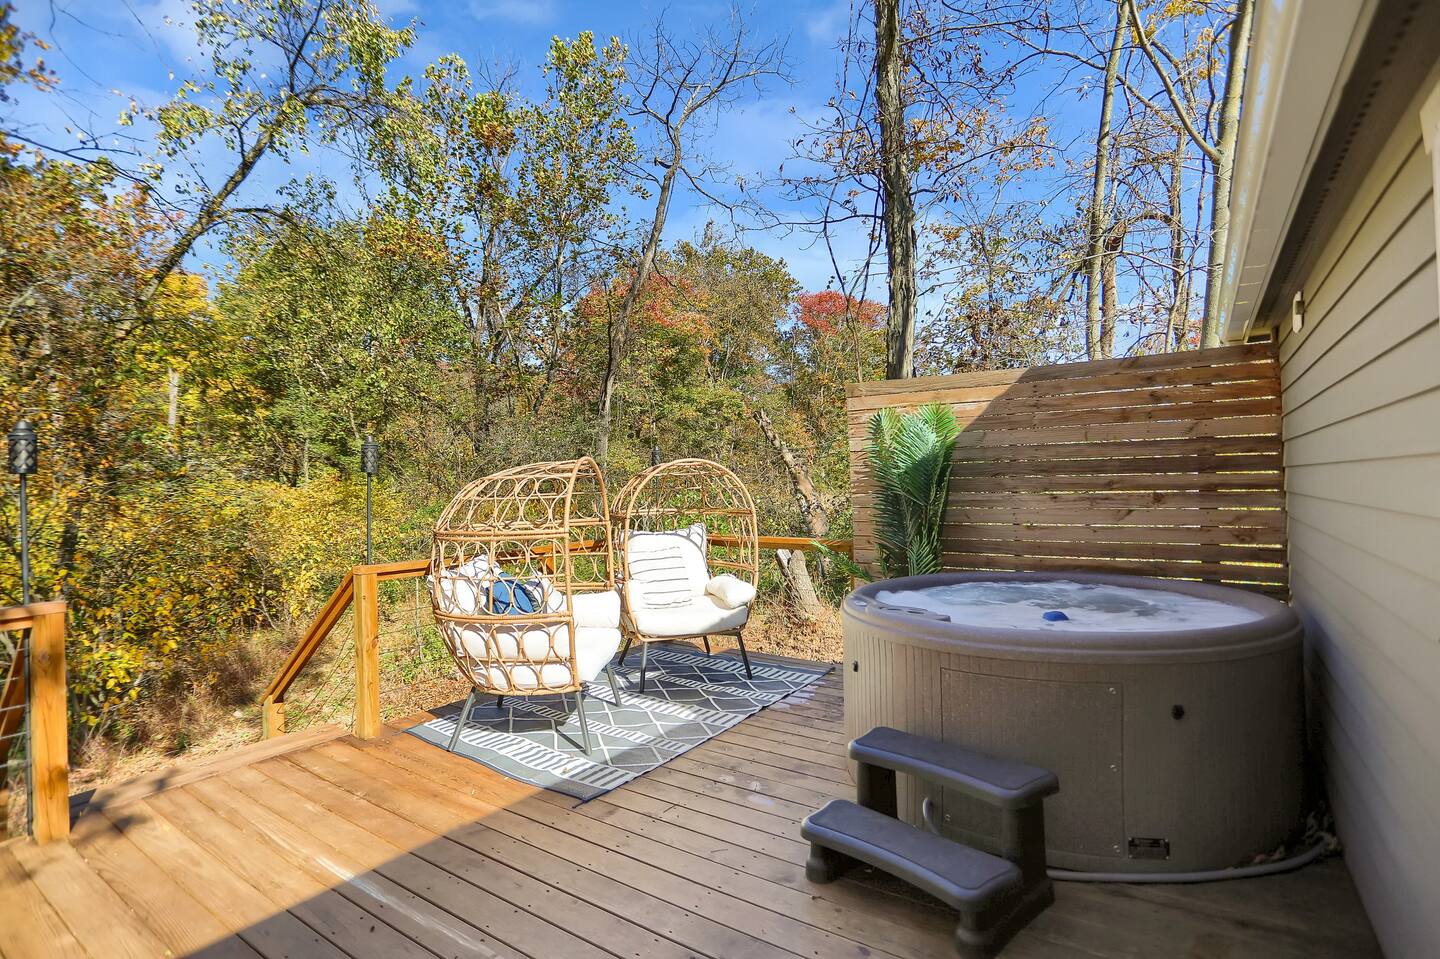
pixel 898 204
pixel 1099 341
pixel 677 85
pixel 917 125
pixel 284 75
pixel 521 195
pixel 1220 151
pixel 1185 48
pixel 335 329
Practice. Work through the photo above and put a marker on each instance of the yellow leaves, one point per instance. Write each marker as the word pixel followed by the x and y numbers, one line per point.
pixel 181 295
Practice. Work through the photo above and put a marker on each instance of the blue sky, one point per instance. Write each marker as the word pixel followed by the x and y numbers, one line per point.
pixel 107 51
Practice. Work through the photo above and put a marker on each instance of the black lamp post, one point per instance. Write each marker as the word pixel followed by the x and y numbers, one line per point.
pixel 655 455
pixel 23 460
pixel 370 464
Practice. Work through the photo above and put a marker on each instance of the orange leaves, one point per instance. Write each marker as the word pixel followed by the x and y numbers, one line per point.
pixel 828 310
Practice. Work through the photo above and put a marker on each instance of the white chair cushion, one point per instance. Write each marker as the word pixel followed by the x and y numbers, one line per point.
pixel 667 568
pixel 463 589
pixel 700 617
pixel 595 646
pixel 600 609
pixel 730 591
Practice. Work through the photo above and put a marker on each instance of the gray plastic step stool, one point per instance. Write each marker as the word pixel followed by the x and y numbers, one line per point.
pixel 995 895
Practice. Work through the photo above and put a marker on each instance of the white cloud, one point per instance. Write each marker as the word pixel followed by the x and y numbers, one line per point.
pixel 393 10
pixel 826 26
pixel 515 11
pixel 171 23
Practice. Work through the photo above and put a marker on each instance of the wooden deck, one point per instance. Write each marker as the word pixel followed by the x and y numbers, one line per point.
pixel 321 845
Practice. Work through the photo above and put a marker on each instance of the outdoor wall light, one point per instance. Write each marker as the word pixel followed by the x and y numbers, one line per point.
pixel 24 449
pixel 370 456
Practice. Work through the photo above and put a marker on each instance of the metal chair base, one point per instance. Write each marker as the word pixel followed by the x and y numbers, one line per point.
pixel 645 642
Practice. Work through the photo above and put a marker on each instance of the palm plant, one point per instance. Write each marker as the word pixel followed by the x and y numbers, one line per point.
pixel 910 458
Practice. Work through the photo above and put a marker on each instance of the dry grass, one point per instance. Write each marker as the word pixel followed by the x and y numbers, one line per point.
pixel 776 630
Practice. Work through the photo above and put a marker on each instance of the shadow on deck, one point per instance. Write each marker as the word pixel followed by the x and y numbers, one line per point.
pixel 322 845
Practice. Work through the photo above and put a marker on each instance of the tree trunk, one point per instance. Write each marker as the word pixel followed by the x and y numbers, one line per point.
pixel 211 212
pixel 1179 316
pixel 1100 185
pixel 799 589
pixel 1109 292
pixel 619 326
pixel 807 497
pixel 899 205
pixel 1225 170
pixel 172 401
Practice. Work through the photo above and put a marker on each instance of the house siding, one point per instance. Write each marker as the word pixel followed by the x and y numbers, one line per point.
pixel 1361 427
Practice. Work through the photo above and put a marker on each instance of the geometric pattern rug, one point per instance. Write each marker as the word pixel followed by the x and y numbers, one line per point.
pixel 689 697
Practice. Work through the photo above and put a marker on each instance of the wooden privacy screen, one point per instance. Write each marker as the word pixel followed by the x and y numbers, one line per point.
pixel 1164 465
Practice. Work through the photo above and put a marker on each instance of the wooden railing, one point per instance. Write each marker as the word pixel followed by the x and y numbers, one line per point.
pixel 48 748
pixel 360 590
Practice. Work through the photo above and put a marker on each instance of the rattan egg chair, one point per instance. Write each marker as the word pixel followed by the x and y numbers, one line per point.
pixel 522 581
pixel 689 556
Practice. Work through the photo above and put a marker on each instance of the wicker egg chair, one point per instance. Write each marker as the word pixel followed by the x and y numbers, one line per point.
pixel 522 582
pixel 689 556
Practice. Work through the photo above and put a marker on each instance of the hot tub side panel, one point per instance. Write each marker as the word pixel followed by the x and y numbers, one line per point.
pixel 1221 782
pixel 1224 781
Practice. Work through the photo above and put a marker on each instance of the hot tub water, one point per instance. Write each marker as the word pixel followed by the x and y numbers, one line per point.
pixel 1085 607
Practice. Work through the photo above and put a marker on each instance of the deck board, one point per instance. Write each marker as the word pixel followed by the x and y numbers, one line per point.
pixel 394 848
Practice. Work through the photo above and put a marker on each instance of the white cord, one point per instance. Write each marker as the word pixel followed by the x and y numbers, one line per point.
pixel 927 813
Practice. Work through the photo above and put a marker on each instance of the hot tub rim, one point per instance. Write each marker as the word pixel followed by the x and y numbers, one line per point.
pixel 1277 629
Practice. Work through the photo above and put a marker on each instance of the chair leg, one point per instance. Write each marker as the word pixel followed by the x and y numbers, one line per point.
pixel 464 715
pixel 614 687
pixel 644 659
pixel 584 723
pixel 744 656
pixel 707 646
pixel 499 702
pixel 624 650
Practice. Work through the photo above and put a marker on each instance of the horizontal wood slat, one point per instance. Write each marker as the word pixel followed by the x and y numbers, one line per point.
pixel 1209 369
pixel 1166 465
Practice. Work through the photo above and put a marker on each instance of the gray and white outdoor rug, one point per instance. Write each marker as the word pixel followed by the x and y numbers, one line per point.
pixel 688 698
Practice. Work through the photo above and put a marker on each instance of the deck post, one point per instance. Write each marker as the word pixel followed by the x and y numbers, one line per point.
pixel 49 733
pixel 272 718
pixel 367 654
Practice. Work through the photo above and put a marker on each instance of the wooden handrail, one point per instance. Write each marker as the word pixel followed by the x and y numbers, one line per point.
pixel 366 577
pixel 49 771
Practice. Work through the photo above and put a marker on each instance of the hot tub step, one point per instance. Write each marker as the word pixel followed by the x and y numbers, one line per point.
pixel 962 877
pixel 999 782
pixel 990 893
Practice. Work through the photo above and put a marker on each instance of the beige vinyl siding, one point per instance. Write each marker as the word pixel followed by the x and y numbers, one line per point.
pixel 1361 388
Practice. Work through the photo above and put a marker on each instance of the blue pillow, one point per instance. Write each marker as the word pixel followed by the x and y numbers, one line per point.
pixel 510 597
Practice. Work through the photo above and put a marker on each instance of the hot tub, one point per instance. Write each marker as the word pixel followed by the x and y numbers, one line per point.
pixel 1171 711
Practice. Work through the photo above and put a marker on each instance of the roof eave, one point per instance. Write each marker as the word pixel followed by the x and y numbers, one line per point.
pixel 1302 53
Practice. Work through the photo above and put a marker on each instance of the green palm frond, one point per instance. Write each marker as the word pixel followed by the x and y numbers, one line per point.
pixel 910 459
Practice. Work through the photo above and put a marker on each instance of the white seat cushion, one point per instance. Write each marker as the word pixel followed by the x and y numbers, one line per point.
pixel 600 609
pixel 701 616
pixel 595 647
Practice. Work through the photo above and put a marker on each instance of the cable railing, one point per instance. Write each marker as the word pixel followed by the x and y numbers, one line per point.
pixel 34 745
pixel 373 653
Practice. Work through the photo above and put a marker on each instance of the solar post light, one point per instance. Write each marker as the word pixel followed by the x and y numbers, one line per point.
pixel 23 459
pixel 370 465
